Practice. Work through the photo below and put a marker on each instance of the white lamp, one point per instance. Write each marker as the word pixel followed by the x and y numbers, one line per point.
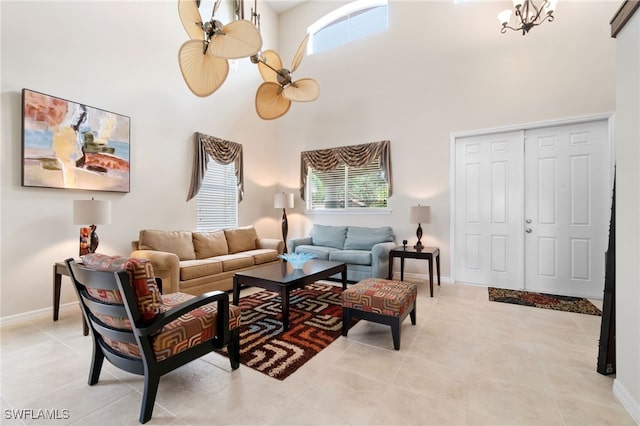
pixel 283 201
pixel 419 214
pixel 94 212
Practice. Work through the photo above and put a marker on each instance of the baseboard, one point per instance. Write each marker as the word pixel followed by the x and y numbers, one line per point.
pixel 36 314
pixel 420 277
pixel 627 401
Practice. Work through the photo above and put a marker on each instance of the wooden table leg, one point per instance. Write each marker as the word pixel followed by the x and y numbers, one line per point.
pixel 344 277
pixel 390 276
pixel 438 267
pixel 401 268
pixel 236 291
pixel 57 283
pixel 431 275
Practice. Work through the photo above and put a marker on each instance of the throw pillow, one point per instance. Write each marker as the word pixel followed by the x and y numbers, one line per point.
pixel 179 243
pixel 241 239
pixel 210 244
pixel 328 236
pixel 141 278
pixel 360 238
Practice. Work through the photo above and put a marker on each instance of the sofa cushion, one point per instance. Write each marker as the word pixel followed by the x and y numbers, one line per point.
pixel 231 262
pixel 262 255
pixel 319 251
pixel 353 257
pixel 210 244
pixel 360 238
pixel 328 236
pixel 179 243
pixel 241 239
pixel 191 269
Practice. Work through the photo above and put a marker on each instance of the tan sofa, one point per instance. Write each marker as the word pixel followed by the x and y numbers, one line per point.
pixel 197 262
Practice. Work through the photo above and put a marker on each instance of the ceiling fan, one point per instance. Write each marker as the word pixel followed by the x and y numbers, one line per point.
pixel 274 96
pixel 203 59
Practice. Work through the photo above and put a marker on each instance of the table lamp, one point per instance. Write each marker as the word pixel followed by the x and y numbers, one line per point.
pixel 283 201
pixel 419 214
pixel 94 212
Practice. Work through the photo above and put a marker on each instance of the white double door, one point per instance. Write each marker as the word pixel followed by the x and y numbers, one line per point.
pixel 532 209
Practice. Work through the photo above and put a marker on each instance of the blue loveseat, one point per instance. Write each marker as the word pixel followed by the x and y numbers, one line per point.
pixel 364 250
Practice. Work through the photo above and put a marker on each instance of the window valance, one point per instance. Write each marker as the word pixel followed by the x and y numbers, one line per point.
pixel 221 151
pixel 354 156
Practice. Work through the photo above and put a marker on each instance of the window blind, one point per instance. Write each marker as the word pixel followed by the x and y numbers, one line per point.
pixel 347 188
pixel 217 199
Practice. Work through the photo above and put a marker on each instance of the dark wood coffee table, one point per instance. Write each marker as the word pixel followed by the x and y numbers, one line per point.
pixel 282 278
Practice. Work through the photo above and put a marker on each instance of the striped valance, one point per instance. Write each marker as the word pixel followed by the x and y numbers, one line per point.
pixel 221 151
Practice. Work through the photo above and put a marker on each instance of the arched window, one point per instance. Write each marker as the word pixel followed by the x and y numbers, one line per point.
pixel 349 22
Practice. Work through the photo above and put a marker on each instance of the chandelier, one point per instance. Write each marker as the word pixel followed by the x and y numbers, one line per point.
pixel 528 15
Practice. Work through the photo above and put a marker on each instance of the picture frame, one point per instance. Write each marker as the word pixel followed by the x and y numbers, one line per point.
pixel 70 145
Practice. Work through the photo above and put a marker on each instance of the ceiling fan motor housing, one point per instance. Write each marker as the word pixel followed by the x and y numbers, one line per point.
pixel 284 77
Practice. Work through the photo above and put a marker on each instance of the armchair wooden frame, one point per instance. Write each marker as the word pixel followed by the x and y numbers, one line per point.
pixel 142 332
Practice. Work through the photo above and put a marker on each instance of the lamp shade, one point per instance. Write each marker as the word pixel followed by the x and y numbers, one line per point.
pixel 283 200
pixel 91 212
pixel 420 214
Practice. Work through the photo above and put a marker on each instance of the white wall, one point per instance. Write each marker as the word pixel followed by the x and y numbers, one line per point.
pixel 122 57
pixel 627 384
pixel 441 67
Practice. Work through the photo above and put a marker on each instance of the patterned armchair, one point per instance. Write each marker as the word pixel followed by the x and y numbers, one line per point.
pixel 143 332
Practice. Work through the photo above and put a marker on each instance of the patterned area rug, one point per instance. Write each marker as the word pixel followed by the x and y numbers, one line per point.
pixel 543 300
pixel 315 320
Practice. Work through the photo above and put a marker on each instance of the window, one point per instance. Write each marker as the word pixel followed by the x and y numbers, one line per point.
pixel 218 198
pixel 347 188
pixel 349 22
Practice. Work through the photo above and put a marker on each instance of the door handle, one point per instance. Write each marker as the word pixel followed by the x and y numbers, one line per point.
pixel 528 221
pixel 527 230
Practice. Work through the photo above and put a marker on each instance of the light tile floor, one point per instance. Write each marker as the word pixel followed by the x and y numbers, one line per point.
pixel 468 361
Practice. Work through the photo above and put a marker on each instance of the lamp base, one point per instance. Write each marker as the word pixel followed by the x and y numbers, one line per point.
pixel 93 239
pixel 418 246
pixel 285 229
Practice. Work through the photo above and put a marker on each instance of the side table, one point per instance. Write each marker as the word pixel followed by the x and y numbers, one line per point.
pixel 60 269
pixel 427 253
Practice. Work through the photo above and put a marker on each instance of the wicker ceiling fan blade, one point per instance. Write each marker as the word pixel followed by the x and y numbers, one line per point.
pixel 203 73
pixel 303 90
pixel 302 49
pixel 269 101
pixel 272 58
pixel 191 19
pixel 238 39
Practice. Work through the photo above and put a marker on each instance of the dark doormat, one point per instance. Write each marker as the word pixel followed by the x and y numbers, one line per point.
pixel 579 305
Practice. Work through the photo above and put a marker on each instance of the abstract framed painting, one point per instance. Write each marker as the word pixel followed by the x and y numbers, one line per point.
pixel 73 146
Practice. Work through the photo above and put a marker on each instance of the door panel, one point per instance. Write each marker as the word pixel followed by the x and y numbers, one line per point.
pixel 489 209
pixel 566 187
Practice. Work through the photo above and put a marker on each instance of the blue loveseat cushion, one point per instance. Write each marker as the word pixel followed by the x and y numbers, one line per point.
pixel 321 252
pixel 328 236
pixel 352 257
pixel 360 238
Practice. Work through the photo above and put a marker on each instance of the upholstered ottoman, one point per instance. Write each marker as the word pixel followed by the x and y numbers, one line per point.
pixel 382 301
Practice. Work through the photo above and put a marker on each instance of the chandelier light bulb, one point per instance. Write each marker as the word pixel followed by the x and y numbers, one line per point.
pixel 505 16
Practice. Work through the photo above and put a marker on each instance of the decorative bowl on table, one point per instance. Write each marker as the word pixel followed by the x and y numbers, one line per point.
pixel 297 260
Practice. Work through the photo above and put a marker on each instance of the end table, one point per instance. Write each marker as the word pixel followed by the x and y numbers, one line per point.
pixel 427 253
